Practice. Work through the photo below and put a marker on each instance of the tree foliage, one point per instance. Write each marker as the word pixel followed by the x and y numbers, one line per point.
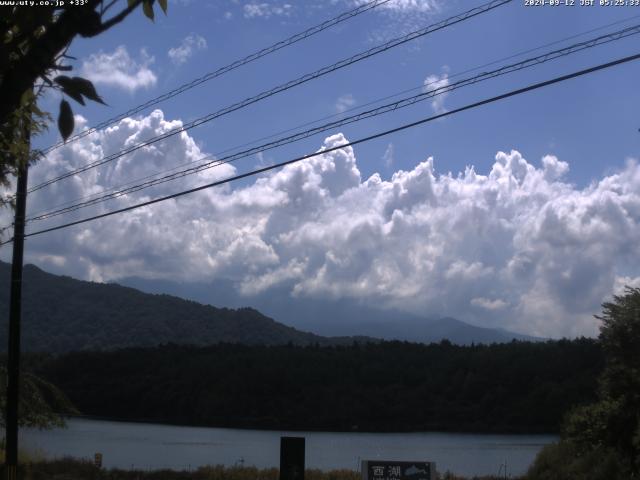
pixel 388 386
pixel 40 402
pixel 620 337
pixel 34 40
pixel 601 440
pixel 33 49
pixel 567 461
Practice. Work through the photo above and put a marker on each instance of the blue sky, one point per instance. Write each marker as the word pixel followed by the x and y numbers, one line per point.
pixel 588 120
pixel 558 224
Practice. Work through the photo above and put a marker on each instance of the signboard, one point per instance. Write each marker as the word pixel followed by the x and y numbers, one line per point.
pixel 97 460
pixel 390 470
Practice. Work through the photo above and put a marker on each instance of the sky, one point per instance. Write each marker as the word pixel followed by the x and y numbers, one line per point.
pixel 523 214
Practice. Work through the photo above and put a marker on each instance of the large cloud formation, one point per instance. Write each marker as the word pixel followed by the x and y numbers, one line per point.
pixel 517 247
pixel 118 69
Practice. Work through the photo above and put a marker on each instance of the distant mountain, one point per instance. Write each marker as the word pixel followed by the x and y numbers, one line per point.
pixel 332 317
pixel 62 314
pixel 465 334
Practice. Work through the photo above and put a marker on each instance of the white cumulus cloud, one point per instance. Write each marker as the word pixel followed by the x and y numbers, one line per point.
pixel 187 48
pixel 406 6
pixel 118 69
pixel 489 304
pixel 344 103
pixel 389 156
pixel 401 17
pixel 515 247
pixel 437 83
pixel 267 10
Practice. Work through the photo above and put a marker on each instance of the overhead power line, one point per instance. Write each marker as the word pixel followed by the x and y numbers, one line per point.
pixel 503 96
pixel 402 103
pixel 283 87
pixel 98 197
pixel 226 69
pixel 341 114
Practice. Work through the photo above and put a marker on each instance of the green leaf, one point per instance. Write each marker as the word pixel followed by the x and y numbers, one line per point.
pixel 27 97
pixel 86 88
pixel 41 30
pixel 37 111
pixel 65 120
pixel 131 3
pixel 163 5
pixel 91 24
pixel 147 8
pixel 77 87
pixel 70 88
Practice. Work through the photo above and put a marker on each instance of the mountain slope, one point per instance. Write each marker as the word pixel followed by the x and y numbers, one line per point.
pixel 329 317
pixel 62 314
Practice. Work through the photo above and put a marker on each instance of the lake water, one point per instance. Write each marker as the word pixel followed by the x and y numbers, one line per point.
pixel 151 446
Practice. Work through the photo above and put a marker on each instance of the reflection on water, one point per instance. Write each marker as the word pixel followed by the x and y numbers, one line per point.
pixel 151 446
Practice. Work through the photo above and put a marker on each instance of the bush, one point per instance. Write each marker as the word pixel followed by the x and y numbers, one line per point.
pixel 566 461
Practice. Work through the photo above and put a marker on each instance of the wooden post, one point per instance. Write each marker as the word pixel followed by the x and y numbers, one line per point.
pixel 15 313
pixel 291 458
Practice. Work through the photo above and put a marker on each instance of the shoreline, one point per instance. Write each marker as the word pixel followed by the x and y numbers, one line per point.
pixel 516 432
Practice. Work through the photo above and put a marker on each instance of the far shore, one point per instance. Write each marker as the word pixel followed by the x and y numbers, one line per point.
pixel 354 429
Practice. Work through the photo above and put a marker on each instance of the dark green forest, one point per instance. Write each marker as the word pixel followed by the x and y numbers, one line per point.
pixel 388 386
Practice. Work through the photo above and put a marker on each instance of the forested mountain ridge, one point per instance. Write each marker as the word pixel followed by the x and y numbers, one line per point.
pixel 61 314
pixel 387 386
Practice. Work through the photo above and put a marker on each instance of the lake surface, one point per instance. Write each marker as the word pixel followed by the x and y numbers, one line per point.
pixel 151 446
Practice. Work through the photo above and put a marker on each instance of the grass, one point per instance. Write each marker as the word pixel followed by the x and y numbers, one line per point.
pixel 24 457
pixel 74 469
pixel 33 465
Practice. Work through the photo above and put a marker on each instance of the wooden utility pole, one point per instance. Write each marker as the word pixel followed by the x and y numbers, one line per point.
pixel 15 313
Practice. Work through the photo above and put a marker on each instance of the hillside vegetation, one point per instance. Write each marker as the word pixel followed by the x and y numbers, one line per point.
pixel 61 314
pixel 389 386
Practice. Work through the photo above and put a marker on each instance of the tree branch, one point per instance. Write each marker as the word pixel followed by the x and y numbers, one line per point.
pixel 41 55
pixel 105 9
pixel 116 19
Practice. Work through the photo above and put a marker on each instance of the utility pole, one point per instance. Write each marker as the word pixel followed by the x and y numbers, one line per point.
pixel 15 313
